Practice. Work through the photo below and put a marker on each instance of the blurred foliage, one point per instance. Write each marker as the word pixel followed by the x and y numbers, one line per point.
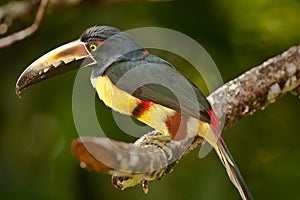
pixel 36 131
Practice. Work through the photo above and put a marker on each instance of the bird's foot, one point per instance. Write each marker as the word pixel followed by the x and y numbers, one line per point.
pixel 153 138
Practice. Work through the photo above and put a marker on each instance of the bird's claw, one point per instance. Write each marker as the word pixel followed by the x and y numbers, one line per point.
pixel 123 182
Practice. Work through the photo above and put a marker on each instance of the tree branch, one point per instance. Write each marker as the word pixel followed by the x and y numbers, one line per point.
pixel 255 89
pixel 20 35
pixel 20 9
pixel 258 87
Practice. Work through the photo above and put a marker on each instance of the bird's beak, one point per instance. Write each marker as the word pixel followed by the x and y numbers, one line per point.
pixel 62 59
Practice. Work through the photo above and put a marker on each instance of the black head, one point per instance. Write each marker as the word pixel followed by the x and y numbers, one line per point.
pixel 98 33
pixel 108 45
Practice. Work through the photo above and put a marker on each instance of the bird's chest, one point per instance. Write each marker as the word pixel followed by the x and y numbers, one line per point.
pixel 153 115
pixel 113 97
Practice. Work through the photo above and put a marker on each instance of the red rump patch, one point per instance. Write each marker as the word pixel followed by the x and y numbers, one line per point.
pixel 141 108
pixel 177 126
pixel 215 125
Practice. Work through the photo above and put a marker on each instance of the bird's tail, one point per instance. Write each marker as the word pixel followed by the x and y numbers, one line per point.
pixel 232 170
pixel 214 138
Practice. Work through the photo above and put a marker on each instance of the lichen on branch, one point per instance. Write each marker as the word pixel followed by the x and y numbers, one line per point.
pixel 258 87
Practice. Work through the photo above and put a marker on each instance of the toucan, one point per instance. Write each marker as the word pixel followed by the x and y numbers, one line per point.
pixel 134 82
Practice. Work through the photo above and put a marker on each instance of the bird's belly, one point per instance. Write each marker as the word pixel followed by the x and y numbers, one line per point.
pixel 166 120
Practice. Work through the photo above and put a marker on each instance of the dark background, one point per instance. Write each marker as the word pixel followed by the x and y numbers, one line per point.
pixel 36 131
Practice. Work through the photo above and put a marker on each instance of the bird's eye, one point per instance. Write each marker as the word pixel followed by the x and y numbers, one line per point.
pixel 93 47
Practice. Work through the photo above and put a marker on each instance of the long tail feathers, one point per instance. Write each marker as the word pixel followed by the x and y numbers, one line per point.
pixel 233 171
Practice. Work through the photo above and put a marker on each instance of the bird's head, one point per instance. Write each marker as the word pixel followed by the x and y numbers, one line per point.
pixel 98 46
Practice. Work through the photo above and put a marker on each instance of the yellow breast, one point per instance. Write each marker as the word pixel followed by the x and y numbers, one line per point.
pixel 125 103
pixel 113 97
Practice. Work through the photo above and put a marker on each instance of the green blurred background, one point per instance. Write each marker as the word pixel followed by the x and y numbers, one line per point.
pixel 36 131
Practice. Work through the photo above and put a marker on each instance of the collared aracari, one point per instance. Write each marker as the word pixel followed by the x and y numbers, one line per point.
pixel 134 82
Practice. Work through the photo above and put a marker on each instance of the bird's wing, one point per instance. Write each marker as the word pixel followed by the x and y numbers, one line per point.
pixel 157 81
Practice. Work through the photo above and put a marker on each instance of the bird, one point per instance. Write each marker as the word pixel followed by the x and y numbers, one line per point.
pixel 132 81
